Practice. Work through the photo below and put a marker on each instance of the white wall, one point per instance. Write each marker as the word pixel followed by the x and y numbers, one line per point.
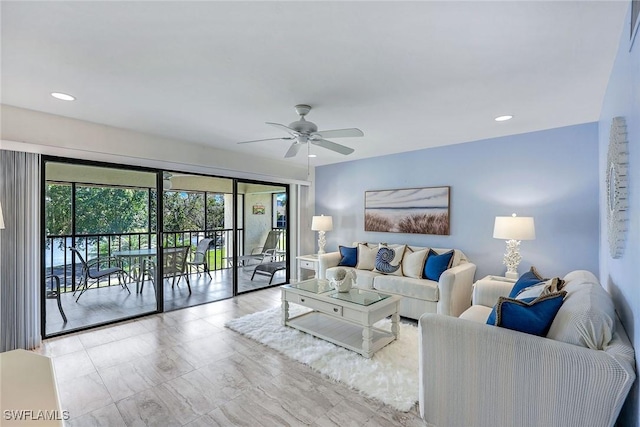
pixel 27 130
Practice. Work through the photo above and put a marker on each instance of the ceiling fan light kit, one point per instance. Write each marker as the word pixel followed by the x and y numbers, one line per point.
pixel 303 132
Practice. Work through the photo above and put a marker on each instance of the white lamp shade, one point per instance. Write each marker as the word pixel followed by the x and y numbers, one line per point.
pixel 322 223
pixel 514 228
pixel 1 219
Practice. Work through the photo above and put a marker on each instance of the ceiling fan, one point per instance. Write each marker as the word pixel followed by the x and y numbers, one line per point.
pixel 302 131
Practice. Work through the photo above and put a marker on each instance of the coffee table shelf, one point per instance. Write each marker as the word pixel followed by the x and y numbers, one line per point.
pixel 344 319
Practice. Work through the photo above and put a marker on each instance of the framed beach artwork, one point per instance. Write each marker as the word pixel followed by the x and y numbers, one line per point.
pixel 409 210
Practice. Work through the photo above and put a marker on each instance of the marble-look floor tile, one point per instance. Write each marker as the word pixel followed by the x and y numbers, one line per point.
pixel 117 352
pixel 233 414
pixel 168 363
pixel 129 378
pixel 190 396
pixel 234 374
pixel 147 409
pixel 108 416
pixel 83 394
pixel 203 351
pixel 73 365
pixel 60 346
pixel 345 415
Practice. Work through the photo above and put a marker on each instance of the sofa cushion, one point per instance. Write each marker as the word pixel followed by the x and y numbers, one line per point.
pixel 413 262
pixel 364 278
pixel 407 287
pixel 349 256
pixel 587 317
pixel 436 264
pixel 530 278
pixel 366 256
pixel 477 313
pixel 530 315
pixel 389 259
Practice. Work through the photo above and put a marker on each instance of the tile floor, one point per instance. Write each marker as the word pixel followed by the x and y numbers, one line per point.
pixel 186 368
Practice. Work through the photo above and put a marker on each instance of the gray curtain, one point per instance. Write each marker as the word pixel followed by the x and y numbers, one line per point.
pixel 20 250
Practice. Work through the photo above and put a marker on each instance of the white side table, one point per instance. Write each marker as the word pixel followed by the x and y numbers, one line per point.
pixel 308 266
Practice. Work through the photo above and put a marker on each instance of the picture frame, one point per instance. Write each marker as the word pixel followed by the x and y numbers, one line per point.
pixel 423 210
pixel 258 209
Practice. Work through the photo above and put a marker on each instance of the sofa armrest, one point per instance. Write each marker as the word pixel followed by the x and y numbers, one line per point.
pixel 481 375
pixel 487 291
pixel 454 288
pixel 331 259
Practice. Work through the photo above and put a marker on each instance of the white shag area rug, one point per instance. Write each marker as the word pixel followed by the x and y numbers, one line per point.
pixel 390 376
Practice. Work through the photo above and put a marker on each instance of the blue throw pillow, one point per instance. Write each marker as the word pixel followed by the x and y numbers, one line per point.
pixel 349 256
pixel 531 317
pixel 528 279
pixel 437 264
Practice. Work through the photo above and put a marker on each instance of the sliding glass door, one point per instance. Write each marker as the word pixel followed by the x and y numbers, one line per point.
pixel 120 242
pixel 99 245
pixel 262 231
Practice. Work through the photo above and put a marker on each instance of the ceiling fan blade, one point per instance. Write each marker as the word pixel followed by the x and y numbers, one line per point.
pixel 268 139
pixel 333 146
pixel 340 133
pixel 284 128
pixel 293 150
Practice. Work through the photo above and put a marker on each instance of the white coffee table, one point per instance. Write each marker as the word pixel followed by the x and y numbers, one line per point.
pixel 343 318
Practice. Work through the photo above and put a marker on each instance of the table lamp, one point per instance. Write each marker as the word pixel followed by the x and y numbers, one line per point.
pixel 321 224
pixel 513 229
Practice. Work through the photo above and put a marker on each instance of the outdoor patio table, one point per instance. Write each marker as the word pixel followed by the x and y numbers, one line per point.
pixel 137 255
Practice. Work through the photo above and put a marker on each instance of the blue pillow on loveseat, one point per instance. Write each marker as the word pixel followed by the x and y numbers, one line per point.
pixel 530 315
pixel 349 256
pixel 528 279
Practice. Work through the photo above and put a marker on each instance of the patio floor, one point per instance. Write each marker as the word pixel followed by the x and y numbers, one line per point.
pixel 109 303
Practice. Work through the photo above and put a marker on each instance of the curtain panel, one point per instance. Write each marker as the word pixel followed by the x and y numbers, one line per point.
pixel 20 250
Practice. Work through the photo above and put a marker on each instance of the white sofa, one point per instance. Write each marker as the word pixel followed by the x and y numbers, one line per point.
pixel 450 295
pixel 474 374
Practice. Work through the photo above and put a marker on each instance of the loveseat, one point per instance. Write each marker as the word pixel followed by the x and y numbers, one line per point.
pixel 577 374
pixel 450 294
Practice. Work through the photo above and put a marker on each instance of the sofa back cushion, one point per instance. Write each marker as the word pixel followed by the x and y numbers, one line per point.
pixel 413 262
pixel 389 259
pixel 366 256
pixel 587 317
pixel 436 264
pixel 349 256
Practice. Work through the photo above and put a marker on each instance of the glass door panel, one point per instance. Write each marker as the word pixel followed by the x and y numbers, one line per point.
pixel 98 245
pixel 262 219
pixel 197 239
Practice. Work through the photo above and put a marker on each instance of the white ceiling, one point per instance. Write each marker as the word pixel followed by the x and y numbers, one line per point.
pixel 411 75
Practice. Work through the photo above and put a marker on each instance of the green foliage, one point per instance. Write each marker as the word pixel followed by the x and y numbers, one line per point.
pixel 111 210
pixel 58 209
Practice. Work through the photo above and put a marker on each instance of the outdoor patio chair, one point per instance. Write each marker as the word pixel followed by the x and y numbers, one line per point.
pixel 52 293
pixel 94 270
pixel 174 265
pixel 200 257
pixel 266 252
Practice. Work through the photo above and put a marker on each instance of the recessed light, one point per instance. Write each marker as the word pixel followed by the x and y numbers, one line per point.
pixel 312 155
pixel 503 118
pixel 63 96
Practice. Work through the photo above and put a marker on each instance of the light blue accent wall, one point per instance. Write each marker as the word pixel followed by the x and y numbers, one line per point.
pixel 621 276
pixel 551 175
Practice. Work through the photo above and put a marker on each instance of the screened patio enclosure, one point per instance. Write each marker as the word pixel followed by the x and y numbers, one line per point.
pixel 190 233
